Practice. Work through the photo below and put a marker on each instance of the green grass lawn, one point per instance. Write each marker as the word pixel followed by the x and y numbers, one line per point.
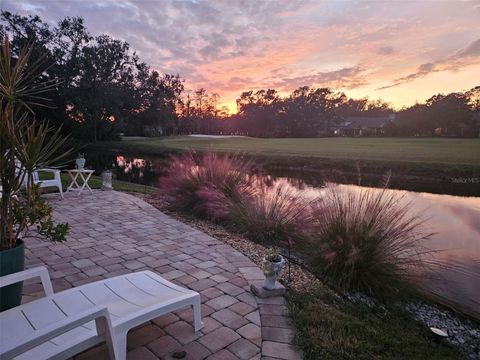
pixel 330 328
pixel 417 150
pixel 95 182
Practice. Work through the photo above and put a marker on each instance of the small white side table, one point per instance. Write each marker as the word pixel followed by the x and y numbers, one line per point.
pixel 84 175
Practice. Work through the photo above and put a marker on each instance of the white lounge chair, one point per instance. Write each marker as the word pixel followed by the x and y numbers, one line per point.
pixel 60 325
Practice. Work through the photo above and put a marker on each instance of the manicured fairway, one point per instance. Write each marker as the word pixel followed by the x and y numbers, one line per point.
pixel 419 150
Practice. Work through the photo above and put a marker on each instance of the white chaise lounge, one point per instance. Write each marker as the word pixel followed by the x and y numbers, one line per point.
pixel 61 325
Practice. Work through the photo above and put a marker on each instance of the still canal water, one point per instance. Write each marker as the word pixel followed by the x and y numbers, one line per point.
pixel 454 220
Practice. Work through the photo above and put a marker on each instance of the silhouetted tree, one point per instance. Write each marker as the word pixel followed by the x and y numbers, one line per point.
pixel 260 112
pixel 450 115
pixel 104 88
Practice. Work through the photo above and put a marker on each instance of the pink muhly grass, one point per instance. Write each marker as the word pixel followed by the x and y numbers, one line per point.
pixel 366 241
pixel 275 215
pixel 214 202
pixel 206 184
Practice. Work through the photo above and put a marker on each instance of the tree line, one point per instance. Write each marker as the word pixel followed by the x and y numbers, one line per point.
pixel 104 87
pixel 312 111
pixel 106 90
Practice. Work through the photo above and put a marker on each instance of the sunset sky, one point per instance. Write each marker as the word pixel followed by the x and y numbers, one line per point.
pixel 401 51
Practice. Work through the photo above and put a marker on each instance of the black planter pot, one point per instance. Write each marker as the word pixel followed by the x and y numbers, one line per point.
pixel 12 260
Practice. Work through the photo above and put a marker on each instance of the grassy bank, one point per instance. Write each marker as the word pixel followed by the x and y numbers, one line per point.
pixel 365 243
pixel 435 165
pixel 413 150
pixel 95 182
pixel 329 327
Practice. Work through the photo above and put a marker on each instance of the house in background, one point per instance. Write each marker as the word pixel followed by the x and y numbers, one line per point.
pixel 461 128
pixel 363 125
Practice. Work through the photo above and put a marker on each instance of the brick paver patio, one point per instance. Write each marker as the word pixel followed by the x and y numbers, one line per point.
pixel 114 233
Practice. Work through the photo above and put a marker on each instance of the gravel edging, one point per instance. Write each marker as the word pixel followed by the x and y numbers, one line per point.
pixel 300 278
pixel 462 333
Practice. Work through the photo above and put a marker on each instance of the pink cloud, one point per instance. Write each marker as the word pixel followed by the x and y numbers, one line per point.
pixel 467 55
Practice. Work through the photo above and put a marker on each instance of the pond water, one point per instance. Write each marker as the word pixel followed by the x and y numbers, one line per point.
pixel 454 220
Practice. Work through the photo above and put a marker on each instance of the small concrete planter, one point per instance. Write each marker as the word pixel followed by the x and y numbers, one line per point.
pixel 80 163
pixel 271 270
pixel 107 180
pixel 270 286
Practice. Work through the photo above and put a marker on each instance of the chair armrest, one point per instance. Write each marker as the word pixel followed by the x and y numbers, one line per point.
pixel 98 313
pixel 54 171
pixel 40 271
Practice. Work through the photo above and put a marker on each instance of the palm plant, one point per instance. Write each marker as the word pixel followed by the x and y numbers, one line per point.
pixel 25 146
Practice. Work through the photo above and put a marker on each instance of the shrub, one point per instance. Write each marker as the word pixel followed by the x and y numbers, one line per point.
pixel 365 240
pixel 272 215
pixel 207 184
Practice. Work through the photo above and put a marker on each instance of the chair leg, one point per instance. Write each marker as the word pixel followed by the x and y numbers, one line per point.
pixel 120 346
pixel 58 179
pixel 104 325
pixel 112 352
pixel 60 190
pixel 197 315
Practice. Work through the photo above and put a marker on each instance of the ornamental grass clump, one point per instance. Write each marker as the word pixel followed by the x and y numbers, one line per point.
pixel 274 215
pixel 365 240
pixel 206 185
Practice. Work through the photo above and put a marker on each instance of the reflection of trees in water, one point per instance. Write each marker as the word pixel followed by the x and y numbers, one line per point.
pixel 125 168
pixel 135 170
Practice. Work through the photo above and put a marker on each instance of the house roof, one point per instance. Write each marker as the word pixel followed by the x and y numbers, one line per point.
pixel 358 122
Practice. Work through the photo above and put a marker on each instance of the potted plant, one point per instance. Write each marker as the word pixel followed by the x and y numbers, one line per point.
pixel 25 146
pixel 272 265
pixel 80 161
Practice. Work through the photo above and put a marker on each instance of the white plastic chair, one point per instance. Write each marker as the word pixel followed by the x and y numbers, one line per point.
pixel 55 182
pixel 26 329
pixel 59 325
